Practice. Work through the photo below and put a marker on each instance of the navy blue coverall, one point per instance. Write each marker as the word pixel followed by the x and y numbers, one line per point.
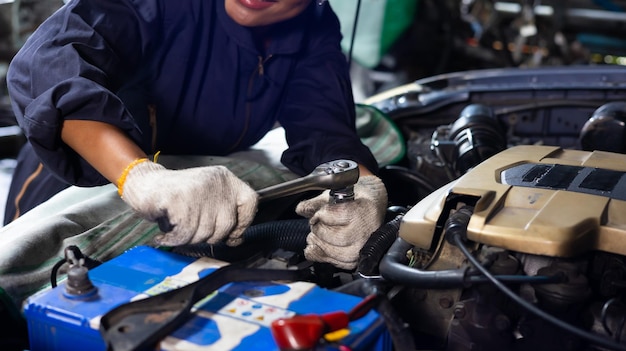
pixel 180 77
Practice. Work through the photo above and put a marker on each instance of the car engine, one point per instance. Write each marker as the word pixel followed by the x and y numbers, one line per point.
pixel 516 240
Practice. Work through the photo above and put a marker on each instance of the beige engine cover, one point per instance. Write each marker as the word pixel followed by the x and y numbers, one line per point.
pixel 540 200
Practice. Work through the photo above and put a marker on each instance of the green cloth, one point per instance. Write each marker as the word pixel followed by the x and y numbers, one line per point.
pixel 380 135
pixel 380 24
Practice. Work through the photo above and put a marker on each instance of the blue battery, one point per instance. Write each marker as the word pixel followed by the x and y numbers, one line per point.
pixel 235 317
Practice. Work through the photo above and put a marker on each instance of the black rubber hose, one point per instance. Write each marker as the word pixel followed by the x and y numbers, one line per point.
pixel 394 269
pixel 376 247
pixel 288 234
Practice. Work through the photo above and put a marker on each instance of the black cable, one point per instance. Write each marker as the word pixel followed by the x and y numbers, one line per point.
pixel 55 270
pixel 593 338
pixel 410 175
pixel 605 309
pixel 393 268
pixel 356 19
pixel 88 262
pixel 603 317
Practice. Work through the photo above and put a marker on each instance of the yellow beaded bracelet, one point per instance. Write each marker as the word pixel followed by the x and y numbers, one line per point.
pixel 122 179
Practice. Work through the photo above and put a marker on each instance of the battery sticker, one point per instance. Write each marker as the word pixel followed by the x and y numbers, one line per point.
pixel 213 332
pixel 224 322
pixel 189 274
pixel 254 312
pixel 270 293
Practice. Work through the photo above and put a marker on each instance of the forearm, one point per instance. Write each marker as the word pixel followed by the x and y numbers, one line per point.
pixel 104 146
pixel 363 171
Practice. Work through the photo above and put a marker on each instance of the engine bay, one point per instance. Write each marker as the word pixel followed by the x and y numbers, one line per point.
pixel 504 229
pixel 523 169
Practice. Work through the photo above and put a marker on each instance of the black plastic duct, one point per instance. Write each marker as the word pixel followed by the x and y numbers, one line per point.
pixel 289 235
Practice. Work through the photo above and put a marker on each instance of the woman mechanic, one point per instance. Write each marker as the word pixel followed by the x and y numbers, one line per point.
pixel 101 84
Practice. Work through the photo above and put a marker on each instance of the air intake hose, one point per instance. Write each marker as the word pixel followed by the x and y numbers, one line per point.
pixel 288 234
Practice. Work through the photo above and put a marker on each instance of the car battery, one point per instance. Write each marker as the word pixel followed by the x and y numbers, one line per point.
pixel 237 316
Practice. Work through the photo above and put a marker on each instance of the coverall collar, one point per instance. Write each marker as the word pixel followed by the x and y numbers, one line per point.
pixel 291 35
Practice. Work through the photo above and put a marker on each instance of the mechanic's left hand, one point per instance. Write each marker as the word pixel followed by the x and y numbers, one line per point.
pixel 339 231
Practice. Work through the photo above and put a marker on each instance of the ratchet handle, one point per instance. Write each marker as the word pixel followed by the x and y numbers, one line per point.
pixel 333 175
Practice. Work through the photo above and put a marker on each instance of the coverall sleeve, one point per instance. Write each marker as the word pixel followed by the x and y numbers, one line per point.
pixel 318 113
pixel 70 69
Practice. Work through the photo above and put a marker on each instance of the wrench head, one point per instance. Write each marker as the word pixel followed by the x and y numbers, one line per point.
pixel 336 174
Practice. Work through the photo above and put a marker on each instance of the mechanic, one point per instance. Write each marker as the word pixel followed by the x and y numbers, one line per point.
pixel 102 84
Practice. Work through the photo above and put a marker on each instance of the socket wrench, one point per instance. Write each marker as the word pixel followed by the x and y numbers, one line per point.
pixel 339 176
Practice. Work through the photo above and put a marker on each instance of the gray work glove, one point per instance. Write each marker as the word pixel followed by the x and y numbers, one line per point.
pixel 203 204
pixel 339 231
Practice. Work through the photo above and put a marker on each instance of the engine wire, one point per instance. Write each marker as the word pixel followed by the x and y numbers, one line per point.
pixel 593 338
pixel 603 317
pixel 55 271
pixel 353 37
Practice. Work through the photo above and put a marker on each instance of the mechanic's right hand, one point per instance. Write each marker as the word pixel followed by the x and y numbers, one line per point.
pixel 203 204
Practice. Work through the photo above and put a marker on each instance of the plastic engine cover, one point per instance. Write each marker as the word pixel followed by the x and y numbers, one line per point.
pixel 539 200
